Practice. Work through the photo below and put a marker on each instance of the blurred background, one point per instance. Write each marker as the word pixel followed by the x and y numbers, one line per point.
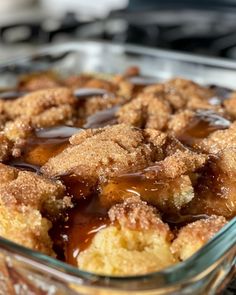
pixel 205 27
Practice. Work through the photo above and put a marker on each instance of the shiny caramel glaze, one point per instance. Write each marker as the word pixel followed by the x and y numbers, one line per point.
pixel 140 82
pixel 201 125
pixel 83 222
pixel 46 143
pixel 102 118
pixel 215 192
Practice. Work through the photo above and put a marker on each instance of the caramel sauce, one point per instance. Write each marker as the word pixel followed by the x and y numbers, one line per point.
pixel 155 190
pixel 88 216
pixel 47 143
pixel 140 82
pixel 85 93
pixel 222 93
pixel 24 166
pixel 86 219
pixel 215 192
pixel 76 187
pixel 203 124
pixel 102 118
pixel 82 228
pixel 11 94
pixel 147 184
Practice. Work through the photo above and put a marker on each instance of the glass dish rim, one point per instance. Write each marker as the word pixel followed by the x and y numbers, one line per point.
pixel 136 49
pixel 182 269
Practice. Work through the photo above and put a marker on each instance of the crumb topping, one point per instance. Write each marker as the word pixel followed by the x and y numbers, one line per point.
pixel 95 169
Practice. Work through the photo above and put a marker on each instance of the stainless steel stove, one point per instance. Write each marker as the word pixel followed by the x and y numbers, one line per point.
pixel 201 29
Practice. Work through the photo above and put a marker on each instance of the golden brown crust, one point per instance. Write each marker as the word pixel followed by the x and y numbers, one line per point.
pixel 29 189
pixel 180 162
pixel 146 111
pixel 219 140
pixel 230 105
pixel 216 187
pixel 194 235
pixel 136 214
pixel 102 153
pixel 36 81
pixel 43 107
pixel 98 103
pixel 182 93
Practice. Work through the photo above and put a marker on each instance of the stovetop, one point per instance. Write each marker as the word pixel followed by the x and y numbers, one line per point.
pixel 200 30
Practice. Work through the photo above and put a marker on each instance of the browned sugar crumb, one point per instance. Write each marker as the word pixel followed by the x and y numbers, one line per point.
pixel 179 121
pixel 18 129
pixel 132 71
pixel 116 84
pixel 146 111
pixel 90 81
pixel 230 105
pixel 36 81
pixel 216 187
pixel 180 162
pixel 219 140
pixel 43 107
pixel 136 214
pixel 5 147
pixel 98 103
pixel 194 235
pixel 125 88
pixel 102 153
pixel 29 189
pixel 12 138
pixel 181 93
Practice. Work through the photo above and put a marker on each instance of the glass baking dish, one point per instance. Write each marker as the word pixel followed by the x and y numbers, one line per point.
pixel 23 271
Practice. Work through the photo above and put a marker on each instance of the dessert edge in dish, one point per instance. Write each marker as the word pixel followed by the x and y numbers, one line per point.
pixel 131 176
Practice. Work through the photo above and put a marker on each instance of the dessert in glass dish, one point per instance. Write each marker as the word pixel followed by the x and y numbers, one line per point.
pixel 118 175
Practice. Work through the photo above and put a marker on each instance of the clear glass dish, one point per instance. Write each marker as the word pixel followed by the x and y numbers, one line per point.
pixel 23 271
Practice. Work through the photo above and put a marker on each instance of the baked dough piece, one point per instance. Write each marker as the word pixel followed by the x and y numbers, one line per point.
pixel 137 242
